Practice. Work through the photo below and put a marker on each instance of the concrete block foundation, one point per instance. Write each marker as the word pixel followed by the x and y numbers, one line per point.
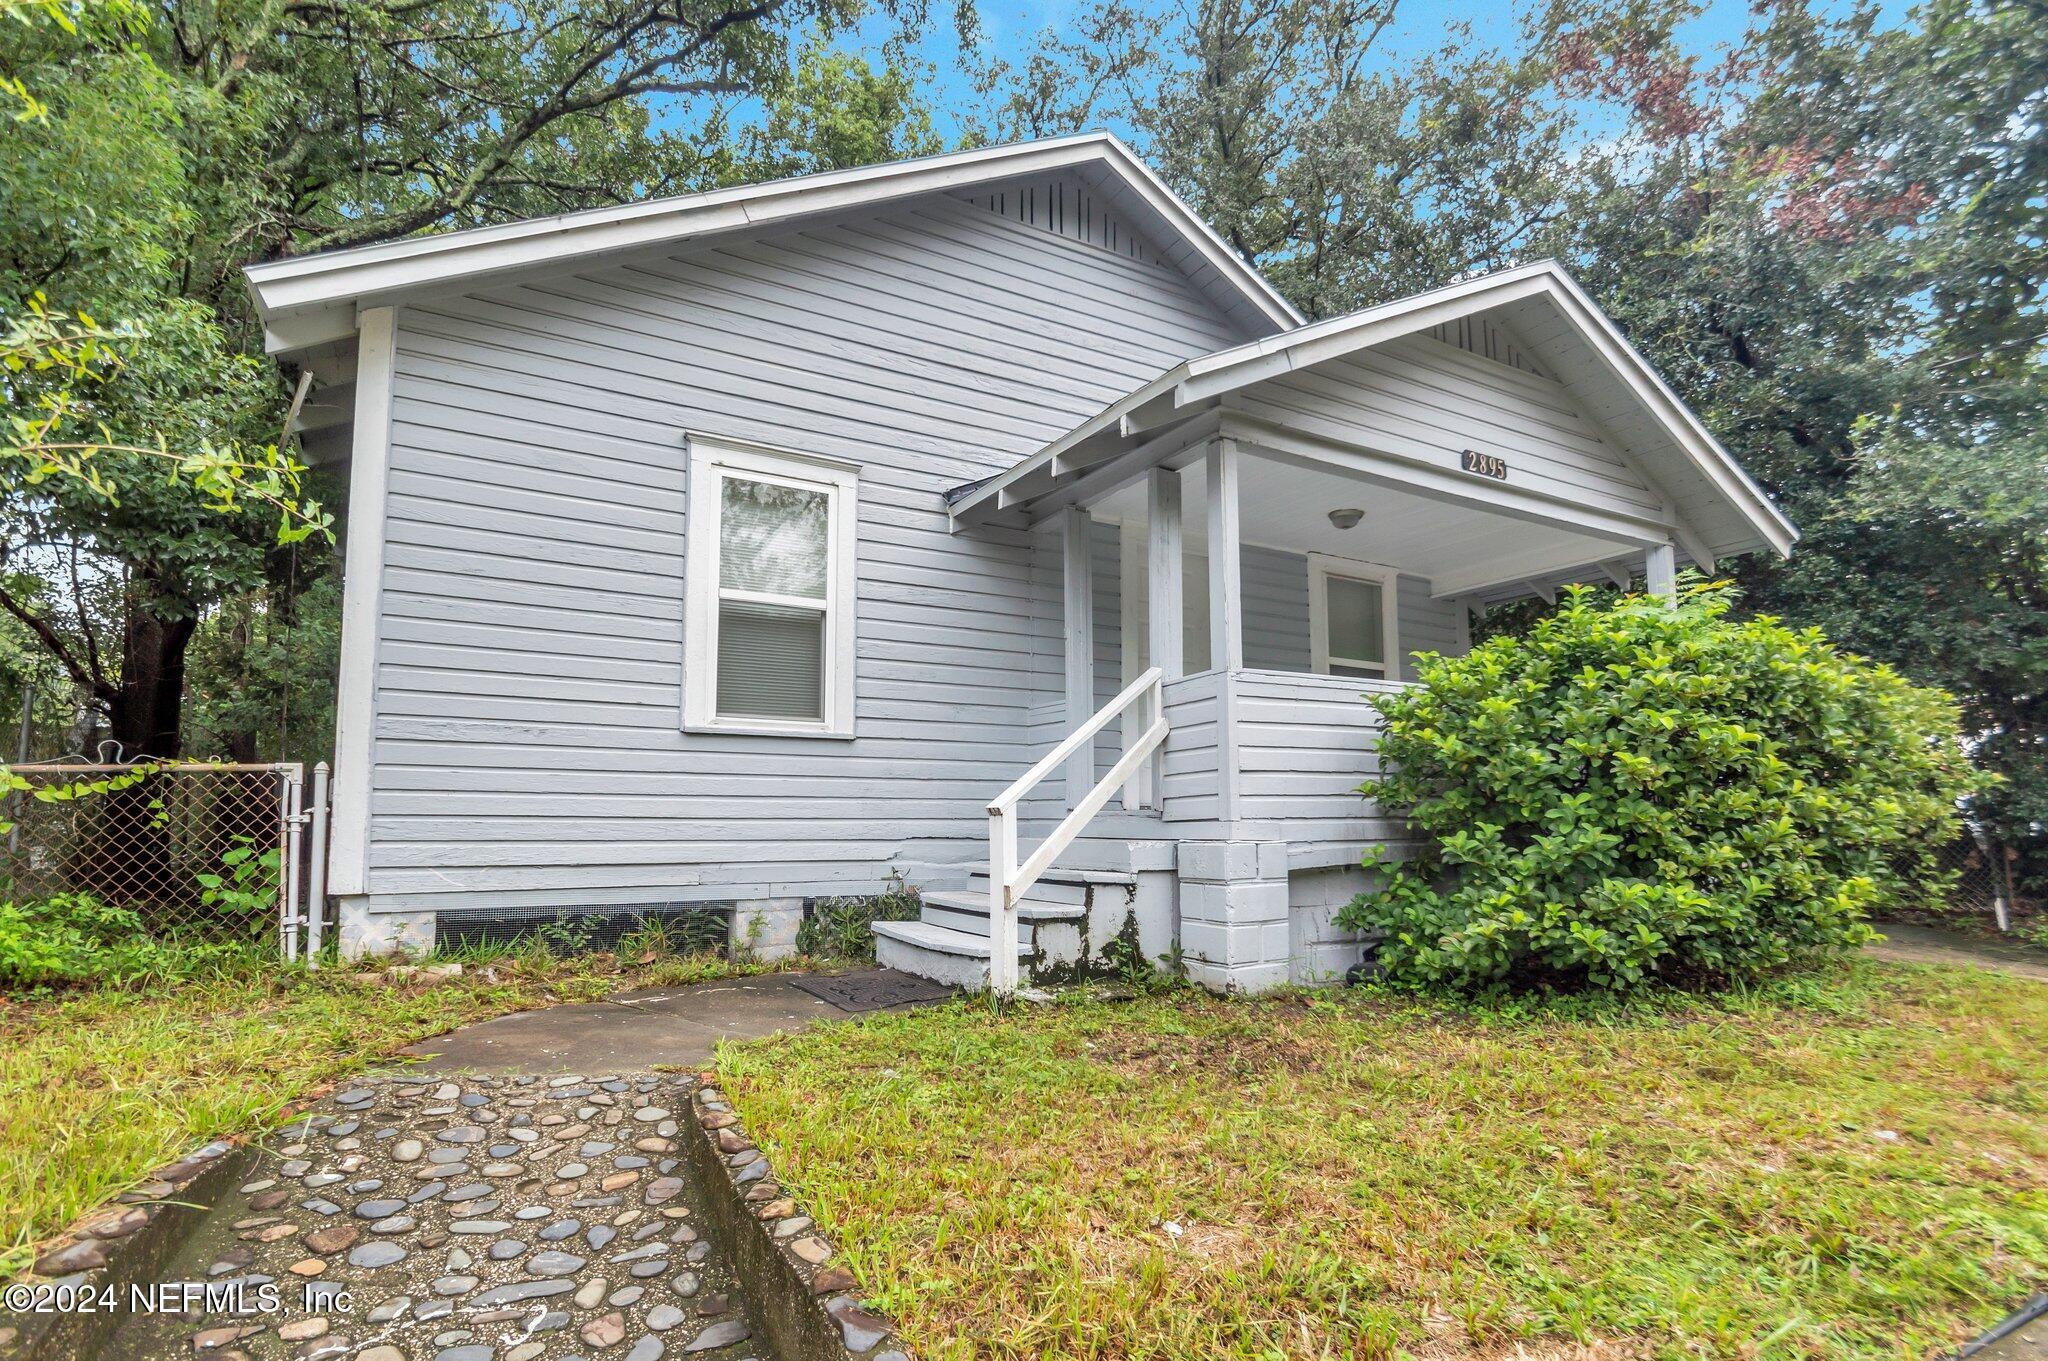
pixel 368 934
pixel 765 929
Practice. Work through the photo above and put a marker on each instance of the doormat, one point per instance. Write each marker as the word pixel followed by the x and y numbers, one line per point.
pixel 872 989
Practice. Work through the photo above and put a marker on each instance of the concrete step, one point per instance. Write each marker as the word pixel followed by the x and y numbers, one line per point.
pixel 1061 884
pixel 937 953
pixel 942 939
pixel 967 911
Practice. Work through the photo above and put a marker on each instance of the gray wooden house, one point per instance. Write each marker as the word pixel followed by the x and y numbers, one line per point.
pixel 979 519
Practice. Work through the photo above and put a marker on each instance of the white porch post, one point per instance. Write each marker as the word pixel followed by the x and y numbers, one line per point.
pixel 1226 617
pixel 1164 559
pixel 1164 618
pixel 1077 574
pixel 1660 572
pixel 1226 593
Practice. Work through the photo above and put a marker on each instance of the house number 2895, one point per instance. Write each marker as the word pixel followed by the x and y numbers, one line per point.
pixel 1486 465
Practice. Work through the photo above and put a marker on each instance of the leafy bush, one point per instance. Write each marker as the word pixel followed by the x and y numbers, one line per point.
pixel 839 928
pixel 76 938
pixel 1638 793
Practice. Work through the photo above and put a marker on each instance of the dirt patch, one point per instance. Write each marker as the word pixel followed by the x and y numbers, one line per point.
pixel 1238 1057
pixel 1451 1343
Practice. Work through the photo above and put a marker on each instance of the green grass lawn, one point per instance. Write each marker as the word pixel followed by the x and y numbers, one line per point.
pixel 1853 1165
pixel 98 1088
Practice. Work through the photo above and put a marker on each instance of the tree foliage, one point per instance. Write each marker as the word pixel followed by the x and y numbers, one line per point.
pixel 1830 237
pixel 1346 177
pixel 163 148
pixel 1638 793
pixel 1834 242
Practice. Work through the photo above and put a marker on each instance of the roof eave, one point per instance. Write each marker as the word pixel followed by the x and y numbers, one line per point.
pixel 1210 377
pixel 316 294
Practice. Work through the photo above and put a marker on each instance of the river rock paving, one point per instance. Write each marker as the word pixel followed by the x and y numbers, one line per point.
pixel 434 1218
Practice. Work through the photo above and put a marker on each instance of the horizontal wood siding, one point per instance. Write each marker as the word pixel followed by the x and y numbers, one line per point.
pixel 1305 752
pixel 1425 623
pixel 1305 746
pixel 528 748
pixel 1420 398
pixel 1188 791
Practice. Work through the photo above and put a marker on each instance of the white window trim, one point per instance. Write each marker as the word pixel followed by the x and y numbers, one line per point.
pixel 1323 566
pixel 711 458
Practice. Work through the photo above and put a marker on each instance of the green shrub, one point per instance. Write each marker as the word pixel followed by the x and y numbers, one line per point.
pixel 76 938
pixel 1639 793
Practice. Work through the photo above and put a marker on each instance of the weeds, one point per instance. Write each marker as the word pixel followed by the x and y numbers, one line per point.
pixel 842 928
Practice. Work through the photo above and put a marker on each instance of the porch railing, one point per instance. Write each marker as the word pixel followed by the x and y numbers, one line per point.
pixel 1008 878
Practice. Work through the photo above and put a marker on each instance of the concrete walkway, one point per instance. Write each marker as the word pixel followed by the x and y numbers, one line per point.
pixel 631 1031
pixel 1925 945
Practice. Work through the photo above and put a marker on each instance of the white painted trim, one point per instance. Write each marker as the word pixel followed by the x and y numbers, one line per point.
pixel 1077 615
pixel 1323 566
pixel 297 297
pixel 712 457
pixel 362 599
pixel 1131 626
pixel 1660 571
pixel 1226 559
pixel 1165 576
pixel 1130 617
pixel 1422 479
pixel 1189 388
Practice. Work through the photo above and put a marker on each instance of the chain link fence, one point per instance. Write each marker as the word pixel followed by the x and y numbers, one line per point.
pixel 1983 880
pixel 211 850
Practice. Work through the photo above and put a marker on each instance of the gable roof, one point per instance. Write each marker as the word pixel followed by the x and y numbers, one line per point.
pixel 1584 348
pixel 311 300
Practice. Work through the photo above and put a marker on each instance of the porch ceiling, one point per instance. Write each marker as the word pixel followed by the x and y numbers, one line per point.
pixel 1459 549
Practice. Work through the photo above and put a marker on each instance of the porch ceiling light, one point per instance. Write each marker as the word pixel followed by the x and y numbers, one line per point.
pixel 1347 518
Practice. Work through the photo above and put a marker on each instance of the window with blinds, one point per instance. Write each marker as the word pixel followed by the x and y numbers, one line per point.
pixel 770 552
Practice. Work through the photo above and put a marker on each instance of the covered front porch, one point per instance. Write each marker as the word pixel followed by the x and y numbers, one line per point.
pixel 1252 545
pixel 1330 578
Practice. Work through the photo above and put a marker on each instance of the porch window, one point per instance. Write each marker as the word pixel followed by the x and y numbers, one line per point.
pixel 1352 624
pixel 768 641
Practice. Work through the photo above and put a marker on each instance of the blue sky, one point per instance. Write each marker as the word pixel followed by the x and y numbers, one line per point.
pixel 1421 26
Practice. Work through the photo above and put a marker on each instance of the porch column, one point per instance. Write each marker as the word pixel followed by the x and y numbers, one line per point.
pixel 1660 572
pixel 1164 559
pixel 1078 575
pixel 1226 590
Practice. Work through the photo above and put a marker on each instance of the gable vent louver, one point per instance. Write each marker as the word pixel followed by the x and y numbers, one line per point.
pixel 1486 338
pixel 1070 210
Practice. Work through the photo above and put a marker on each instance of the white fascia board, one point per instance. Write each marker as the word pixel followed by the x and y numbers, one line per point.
pixel 1228 370
pixel 1686 429
pixel 1423 478
pixel 1203 237
pixel 1107 422
pixel 315 292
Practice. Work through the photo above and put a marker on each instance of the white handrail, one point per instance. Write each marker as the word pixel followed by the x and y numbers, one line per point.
pixel 1008 880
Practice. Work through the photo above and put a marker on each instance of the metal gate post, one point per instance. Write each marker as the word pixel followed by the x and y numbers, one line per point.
pixel 2000 870
pixel 316 879
pixel 294 835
